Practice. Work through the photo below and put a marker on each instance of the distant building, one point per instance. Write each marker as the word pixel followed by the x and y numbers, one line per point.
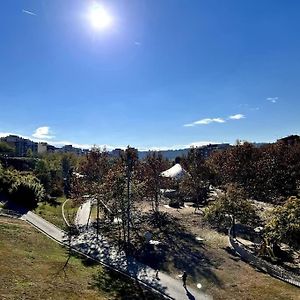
pixel 21 145
pixel 116 152
pixel 51 149
pixel 290 140
pixel 206 151
pixel 42 148
pixel 71 149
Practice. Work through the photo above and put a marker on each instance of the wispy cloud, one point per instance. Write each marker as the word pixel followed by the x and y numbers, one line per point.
pixel 28 12
pixel 272 99
pixel 237 117
pixel 137 43
pixel 205 121
pixel 43 133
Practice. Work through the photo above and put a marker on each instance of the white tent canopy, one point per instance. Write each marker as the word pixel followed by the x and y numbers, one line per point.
pixel 175 172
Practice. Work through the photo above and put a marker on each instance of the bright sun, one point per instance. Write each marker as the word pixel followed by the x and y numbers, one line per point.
pixel 99 17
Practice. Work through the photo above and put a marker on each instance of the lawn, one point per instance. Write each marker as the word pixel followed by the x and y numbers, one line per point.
pixel 52 211
pixel 32 268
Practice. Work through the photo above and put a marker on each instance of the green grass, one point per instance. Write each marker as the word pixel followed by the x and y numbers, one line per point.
pixel 52 211
pixel 32 268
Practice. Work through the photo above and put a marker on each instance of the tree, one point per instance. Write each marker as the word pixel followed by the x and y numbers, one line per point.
pixel 6 149
pixel 68 165
pixel 95 165
pixel 93 168
pixel 152 166
pixel 195 184
pixel 121 188
pixel 27 190
pixel 269 173
pixel 284 224
pixel 29 153
pixel 235 165
pixel 42 172
pixel 230 207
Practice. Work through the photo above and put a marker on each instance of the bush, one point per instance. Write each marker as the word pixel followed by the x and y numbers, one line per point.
pixel 27 190
pixel 284 223
pixel 217 217
pixel 230 207
pixel 176 203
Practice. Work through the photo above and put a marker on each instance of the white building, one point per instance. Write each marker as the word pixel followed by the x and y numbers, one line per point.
pixel 42 148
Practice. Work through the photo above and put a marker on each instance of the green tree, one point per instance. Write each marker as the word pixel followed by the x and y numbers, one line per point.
pixel 6 149
pixel 29 153
pixel 42 172
pixel 230 207
pixel 27 190
pixel 284 224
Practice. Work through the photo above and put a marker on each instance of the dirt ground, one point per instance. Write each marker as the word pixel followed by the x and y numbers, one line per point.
pixel 188 244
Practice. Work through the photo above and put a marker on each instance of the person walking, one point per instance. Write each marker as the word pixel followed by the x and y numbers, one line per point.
pixel 156 275
pixel 184 276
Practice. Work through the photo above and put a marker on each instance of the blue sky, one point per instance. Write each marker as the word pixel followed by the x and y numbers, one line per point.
pixel 165 73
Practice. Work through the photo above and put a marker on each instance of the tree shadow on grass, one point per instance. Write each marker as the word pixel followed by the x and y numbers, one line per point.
pixel 52 201
pixel 180 248
pixel 102 251
pixel 121 287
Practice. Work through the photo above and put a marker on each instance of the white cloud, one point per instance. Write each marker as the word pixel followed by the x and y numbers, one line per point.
pixel 28 12
pixel 137 43
pixel 205 121
pixel 272 99
pixel 43 133
pixel 4 134
pixel 237 117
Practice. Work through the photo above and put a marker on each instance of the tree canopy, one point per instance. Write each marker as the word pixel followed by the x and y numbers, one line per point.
pixel 284 223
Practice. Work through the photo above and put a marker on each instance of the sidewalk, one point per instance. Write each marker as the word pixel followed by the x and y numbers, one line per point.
pixel 102 251
pixel 83 214
pixel 86 243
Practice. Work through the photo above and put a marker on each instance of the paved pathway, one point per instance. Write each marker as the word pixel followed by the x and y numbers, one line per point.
pixel 44 226
pixel 109 255
pixel 101 251
pixel 83 214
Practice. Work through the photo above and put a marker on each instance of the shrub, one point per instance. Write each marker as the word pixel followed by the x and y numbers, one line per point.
pixel 27 190
pixel 176 202
pixel 229 207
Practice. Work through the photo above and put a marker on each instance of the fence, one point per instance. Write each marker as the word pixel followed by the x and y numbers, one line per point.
pixel 261 264
pixel 9 213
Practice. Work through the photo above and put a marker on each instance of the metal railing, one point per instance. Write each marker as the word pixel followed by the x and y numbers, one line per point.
pixel 262 264
pixel 9 213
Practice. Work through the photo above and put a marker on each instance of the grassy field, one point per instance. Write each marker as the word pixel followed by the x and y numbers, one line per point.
pixel 32 268
pixel 52 211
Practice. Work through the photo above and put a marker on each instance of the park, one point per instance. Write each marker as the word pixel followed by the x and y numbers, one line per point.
pixel 150 221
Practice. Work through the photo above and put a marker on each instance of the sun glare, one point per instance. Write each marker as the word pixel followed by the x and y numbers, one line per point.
pixel 99 17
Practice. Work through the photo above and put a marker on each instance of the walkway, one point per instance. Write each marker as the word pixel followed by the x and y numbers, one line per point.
pixel 101 251
pixel 83 214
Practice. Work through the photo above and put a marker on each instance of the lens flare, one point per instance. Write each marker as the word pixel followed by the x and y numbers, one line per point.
pixel 99 17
